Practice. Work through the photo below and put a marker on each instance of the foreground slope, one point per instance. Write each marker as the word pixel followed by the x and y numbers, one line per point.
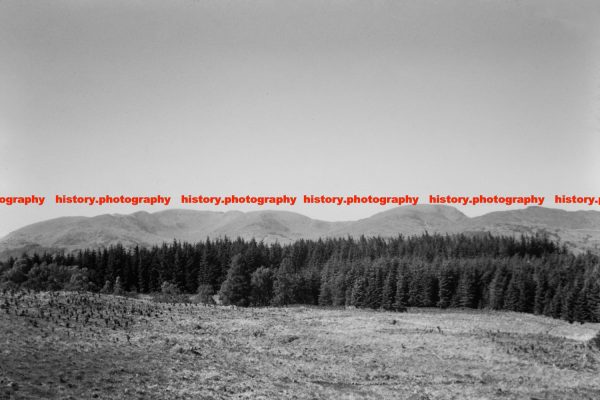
pixel 90 346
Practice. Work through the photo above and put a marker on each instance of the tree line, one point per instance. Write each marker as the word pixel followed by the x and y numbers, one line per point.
pixel 526 274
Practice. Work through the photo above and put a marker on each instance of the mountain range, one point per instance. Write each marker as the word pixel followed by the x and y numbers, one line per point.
pixel 579 230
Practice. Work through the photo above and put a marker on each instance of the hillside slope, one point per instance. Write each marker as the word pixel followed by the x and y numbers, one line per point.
pixel 580 230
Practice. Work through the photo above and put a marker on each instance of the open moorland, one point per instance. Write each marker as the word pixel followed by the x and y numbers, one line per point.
pixel 76 346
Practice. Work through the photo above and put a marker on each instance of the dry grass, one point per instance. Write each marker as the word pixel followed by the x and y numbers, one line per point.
pixel 76 346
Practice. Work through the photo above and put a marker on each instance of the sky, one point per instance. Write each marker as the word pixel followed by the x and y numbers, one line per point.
pixel 270 97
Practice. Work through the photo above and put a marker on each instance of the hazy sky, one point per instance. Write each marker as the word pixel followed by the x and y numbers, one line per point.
pixel 278 96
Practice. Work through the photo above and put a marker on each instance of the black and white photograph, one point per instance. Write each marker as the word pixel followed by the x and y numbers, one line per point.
pixel 300 199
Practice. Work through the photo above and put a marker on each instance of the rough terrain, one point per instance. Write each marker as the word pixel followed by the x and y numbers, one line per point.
pixel 69 345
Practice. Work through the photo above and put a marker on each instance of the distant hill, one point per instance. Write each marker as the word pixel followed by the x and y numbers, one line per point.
pixel 578 229
pixel 407 220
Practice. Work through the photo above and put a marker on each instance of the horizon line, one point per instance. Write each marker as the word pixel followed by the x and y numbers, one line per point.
pixel 458 208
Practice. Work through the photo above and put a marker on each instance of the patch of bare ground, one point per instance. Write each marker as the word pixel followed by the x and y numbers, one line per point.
pixel 75 346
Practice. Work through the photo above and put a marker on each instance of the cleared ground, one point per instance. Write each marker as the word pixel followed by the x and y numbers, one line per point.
pixel 78 346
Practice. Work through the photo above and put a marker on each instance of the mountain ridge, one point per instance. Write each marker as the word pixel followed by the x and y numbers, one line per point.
pixel 579 230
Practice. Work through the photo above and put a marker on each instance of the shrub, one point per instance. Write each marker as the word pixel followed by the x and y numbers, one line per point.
pixel 169 288
pixel 79 281
pixel 17 274
pixel 118 288
pixel 170 293
pixel 205 294
pixel 56 277
pixel 596 341
pixel 107 288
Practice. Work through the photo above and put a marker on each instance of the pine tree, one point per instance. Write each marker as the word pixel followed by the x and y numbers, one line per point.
pixel 526 288
pixel 594 301
pixel 374 287
pixel 389 291
pixel 415 288
pixel 539 301
pixel 402 284
pixel 467 290
pixel 359 292
pixel 580 303
pixel 236 287
pixel 431 291
pixel 142 274
pixel 179 265
pixel 497 289
pixel 446 286
pixel 204 269
pixel 154 274
pixel 191 273
pixel 556 304
pixel 511 299
pixel 285 284
pixel 261 282
pixel 527 275
pixel 568 304
pixel 325 292
pixel 339 289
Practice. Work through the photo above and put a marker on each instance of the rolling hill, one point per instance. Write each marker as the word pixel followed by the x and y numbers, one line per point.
pixel 580 230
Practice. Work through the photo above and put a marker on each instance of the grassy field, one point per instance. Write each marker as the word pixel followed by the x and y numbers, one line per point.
pixel 79 346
